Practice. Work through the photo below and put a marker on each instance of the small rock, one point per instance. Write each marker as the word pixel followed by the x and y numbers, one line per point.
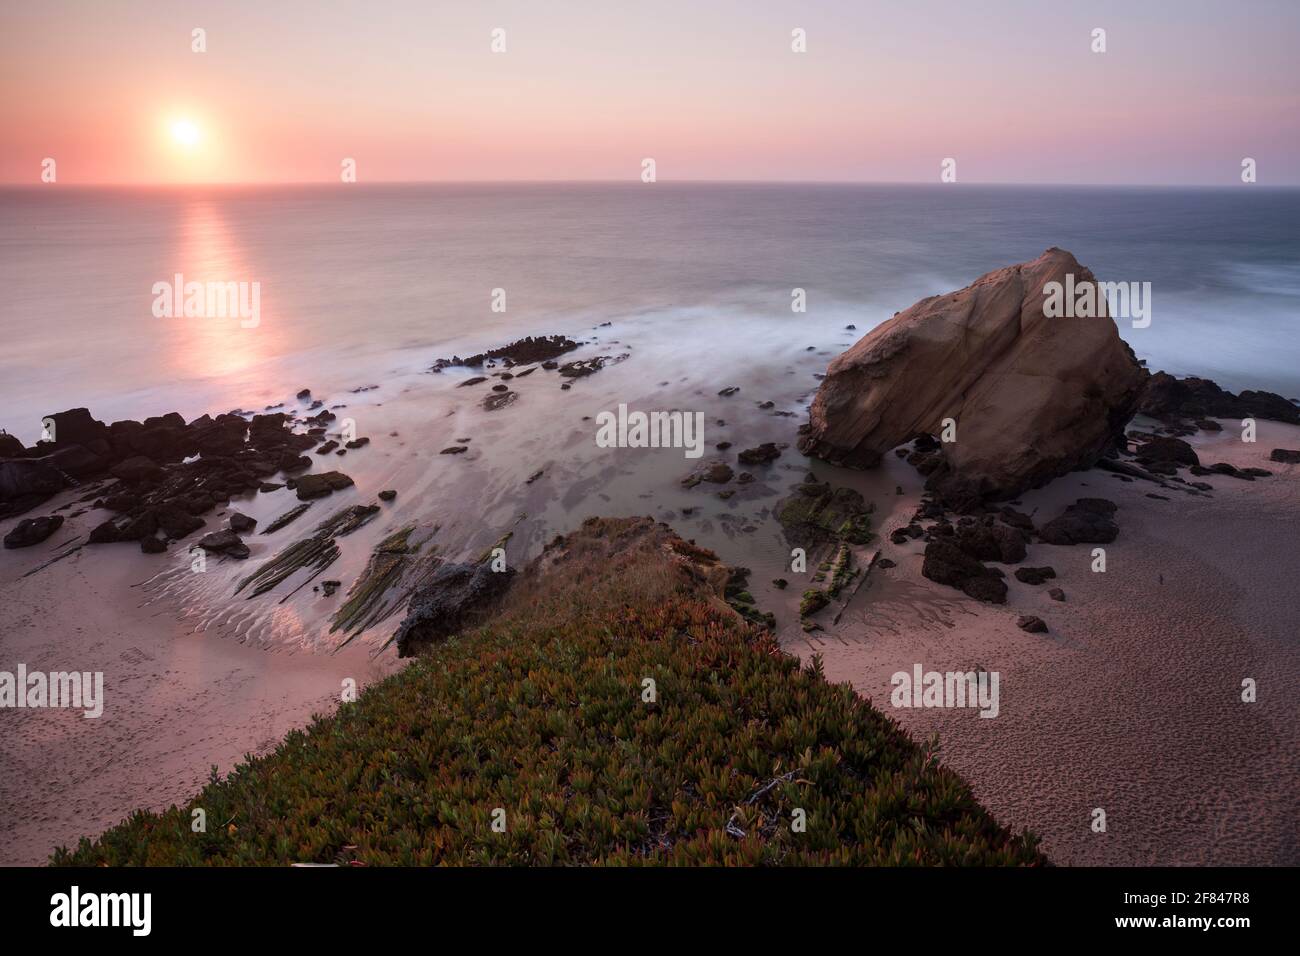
pixel 1030 623
pixel 454 450
pixel 1171 450
pixel 320 485
pixel 1087 521
pixel 239 523
pixel 388 494
pixel 224 542
pixel 1056 594
pixel 1034 575
pixel 761 455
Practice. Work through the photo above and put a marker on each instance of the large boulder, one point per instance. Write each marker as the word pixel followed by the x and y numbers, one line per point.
pixel 1032 397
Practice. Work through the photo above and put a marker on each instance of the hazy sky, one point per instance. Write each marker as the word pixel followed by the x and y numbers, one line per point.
pixel 710 90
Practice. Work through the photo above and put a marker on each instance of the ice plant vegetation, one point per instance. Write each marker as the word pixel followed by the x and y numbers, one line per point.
pixel 530 739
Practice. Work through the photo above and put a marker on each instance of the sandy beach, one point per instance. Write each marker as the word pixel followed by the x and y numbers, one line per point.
pixel 177 702
pixel 1129 703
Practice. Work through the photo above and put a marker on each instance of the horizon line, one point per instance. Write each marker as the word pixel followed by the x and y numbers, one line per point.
pixel 630 182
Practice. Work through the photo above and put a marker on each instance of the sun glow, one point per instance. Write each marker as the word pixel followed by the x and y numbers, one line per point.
pixel 186 133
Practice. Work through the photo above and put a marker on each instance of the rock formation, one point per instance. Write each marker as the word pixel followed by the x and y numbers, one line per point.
pixel 1030 396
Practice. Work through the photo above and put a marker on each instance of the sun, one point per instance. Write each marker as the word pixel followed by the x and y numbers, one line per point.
pixel 186 133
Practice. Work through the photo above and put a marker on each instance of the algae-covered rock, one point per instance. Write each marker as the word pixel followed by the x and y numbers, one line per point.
pixel 817 513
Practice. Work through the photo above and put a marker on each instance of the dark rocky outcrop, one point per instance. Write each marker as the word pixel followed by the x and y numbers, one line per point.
pixel 1173 399
pixel 524 351
pixel 164 472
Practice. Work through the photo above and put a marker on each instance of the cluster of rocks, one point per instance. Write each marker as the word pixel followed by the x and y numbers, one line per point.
pixel 525 351
pixel 718 472
pixel 536 353
pixel 1188 404
pixel 1164 455
pixel 958 554
pixel 160 476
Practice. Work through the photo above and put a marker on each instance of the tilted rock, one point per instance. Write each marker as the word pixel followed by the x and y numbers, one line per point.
pixel 1032 397
pixel 1087 521
pixel 451 600
pixel 32 531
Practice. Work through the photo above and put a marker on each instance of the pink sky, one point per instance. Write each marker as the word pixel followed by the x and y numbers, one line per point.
pixel 710 90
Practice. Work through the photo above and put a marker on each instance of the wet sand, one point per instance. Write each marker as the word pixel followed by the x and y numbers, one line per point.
pixel 176 702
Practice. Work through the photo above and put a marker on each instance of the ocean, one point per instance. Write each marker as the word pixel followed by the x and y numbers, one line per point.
pixel 366 284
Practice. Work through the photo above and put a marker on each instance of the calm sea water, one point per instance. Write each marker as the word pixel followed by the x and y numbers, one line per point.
pixel 363 283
